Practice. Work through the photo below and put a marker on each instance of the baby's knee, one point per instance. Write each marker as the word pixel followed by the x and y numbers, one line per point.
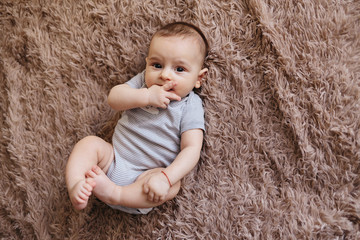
pixel 89 142
pixel 91 139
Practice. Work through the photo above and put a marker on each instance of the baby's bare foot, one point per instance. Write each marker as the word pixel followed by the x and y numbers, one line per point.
pixel 80 193
pixel 104 188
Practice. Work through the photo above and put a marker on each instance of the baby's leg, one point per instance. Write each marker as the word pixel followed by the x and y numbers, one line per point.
pixel 87 152
pixel 129 196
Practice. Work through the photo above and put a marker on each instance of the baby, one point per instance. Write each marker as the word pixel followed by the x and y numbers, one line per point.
pixel 158 139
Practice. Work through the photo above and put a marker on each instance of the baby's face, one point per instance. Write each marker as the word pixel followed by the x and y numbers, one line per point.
pixel 175 59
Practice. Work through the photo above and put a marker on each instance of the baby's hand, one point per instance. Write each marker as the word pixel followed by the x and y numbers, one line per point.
pixel 159 96
pixel 156 187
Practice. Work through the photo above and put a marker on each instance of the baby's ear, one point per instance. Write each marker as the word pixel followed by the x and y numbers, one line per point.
pixel 201 77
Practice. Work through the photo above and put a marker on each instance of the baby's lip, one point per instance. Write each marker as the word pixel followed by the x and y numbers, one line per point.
pixel 173 86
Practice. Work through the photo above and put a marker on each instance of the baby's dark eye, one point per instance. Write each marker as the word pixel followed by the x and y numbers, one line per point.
pixel 157 65
pixel 180 69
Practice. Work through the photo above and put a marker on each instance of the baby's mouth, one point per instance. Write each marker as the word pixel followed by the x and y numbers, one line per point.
pixel 172 89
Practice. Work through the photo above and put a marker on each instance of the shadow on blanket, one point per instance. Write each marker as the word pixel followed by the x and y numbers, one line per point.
pixel 282 147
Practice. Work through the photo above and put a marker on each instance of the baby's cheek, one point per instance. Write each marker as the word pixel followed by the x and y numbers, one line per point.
pixel 148 82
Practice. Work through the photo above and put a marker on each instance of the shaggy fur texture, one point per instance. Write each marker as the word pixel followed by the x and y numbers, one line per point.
pixel 282 149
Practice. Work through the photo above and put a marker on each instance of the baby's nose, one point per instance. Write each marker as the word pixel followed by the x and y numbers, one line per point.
pixel 166 74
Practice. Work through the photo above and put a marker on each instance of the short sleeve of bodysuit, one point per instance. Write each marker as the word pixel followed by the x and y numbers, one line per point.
pixel 193 114
pixel 137 81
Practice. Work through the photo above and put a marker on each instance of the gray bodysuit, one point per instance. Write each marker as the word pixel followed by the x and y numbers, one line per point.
pixel 147 138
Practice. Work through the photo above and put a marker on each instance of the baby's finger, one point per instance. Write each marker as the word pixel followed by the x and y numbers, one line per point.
pixel 164 103
pixel 163 106
pixel 151 196
pixel 173 96
pixel 146 188
pixel 156 199
pixel 168 86
pixel 162 198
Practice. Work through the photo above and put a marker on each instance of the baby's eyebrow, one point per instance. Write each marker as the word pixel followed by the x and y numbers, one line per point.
pixel 153 59
pixel 182 63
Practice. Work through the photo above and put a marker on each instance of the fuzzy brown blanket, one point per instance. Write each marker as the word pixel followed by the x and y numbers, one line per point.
pixel 282 103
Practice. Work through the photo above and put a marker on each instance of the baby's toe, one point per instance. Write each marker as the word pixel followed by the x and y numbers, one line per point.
pixel 79 200
pixel 96 169
pixel 86 192
pixel 83 195
pixel 90 183
pixel 90 174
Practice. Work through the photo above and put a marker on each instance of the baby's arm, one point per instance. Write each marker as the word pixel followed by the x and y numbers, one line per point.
pixel 158 186
pixel 123 97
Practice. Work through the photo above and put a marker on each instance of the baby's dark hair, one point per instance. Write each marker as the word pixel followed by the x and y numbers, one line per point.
pixel 184 29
